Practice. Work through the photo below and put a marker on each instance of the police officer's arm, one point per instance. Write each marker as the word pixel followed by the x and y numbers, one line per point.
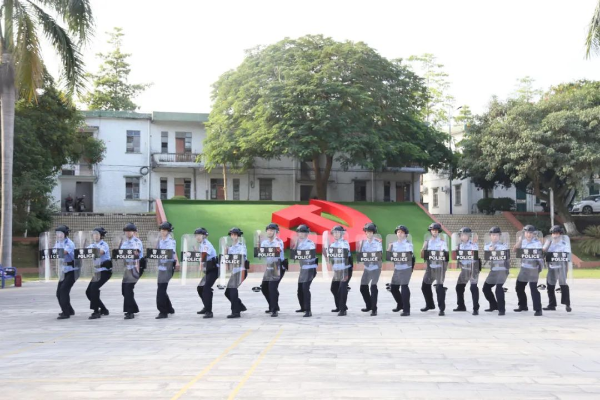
pixel 70 248
pixel 103 248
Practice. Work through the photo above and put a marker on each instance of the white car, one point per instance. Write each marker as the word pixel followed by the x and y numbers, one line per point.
pixel 588 205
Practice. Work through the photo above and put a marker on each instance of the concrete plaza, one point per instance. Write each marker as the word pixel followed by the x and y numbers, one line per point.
pixel 423 356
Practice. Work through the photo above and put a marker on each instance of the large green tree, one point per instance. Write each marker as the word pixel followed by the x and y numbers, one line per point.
pixel 317 99
pixel 553 143
pixel 112 90
pixel 47 136
pixel 22 71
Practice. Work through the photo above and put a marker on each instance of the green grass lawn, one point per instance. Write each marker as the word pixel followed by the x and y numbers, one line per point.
pixel 219 217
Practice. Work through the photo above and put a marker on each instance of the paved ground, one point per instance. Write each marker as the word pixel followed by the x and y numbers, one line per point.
pixel 423 356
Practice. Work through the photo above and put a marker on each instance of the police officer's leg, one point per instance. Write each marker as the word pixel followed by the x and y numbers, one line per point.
pixel 460 297
pixel 104 277
pixel 161 292
pixel 395 289
pixel 427 290
pixel 65 293
pixel 565 294
pixel 550 287
pixel 343 295
pixel 501 303
pixel 521 296
pixel 207 291
pixel 88 294
pixel 536 298
pixel 487 292
pixel 264 288
pixel 306 289
pixel 405 299
pixel 300 294
pixel 241 305
pixel 475 296
pixel 335 289
pixel 364 290
pixel 374 289
pixel 441 296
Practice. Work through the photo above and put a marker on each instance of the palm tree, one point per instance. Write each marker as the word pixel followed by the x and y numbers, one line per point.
pixel 22 70
pixel 592 41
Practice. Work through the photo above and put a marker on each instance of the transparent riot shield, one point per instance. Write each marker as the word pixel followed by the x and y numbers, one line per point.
pixel 267 251
pixel 558 260
pixel 153 254
pixel 84 254
pixel 496 257
pixel 530 254
pixel 465 251
pixel 399 250
pixel 336 254
pixel 233 261
pixel 126 258
pixel 193 258
pixel 303 251
pixel 95 248
pixel 369 253
pixel 435 254
pixel 50 258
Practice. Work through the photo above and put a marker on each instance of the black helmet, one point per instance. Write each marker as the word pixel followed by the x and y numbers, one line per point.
pixel 235 230
pixel 495 229
pixel 370 227
pixel 529 228
pixel 557 229
pixel 64 229
pixel 167 226
pixel 338 228
pixel 465 230
pixel 201 231
pixel 273 226
pixel 435 226
pixel 401 228
pixel 130 227
pixel 101 231
pixel 303 228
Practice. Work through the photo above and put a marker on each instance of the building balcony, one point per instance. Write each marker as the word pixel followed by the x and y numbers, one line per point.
pixel 79 171
pixel 177 160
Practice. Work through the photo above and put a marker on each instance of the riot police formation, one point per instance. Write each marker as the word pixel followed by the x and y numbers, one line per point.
pixel 68 256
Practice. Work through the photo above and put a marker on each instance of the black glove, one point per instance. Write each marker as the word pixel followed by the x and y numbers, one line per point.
pixel 413 262
pixel 285 264
pixel 143 264
pixel 247 265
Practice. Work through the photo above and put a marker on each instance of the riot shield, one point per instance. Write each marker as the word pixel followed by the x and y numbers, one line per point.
pixel 50 258
pixel 435 254
pixel 529 252
pixel 94 249
pixel 84 254
pixel 369 253
pixel 193 259
pixel 267 251
pixel 303 250
pixel 399 250
pixel 126 259
pixel 496 257
pixel 558 260
pixel 465 250
pixel 153 254
pixel 336 253
pixel 233 261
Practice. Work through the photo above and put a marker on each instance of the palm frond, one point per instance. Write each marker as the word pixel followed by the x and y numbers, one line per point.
pixel 71 58
pixel 29 67
pixel 76 13
pixel 8 13
pixel 592 41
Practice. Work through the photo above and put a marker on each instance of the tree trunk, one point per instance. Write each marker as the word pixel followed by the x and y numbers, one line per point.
pixel 224 181
pixel 7 107
pixel 564 213
pixel 321 178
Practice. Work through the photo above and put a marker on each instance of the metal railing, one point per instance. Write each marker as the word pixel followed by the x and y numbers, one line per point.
pixel 175 157
pixel 78 170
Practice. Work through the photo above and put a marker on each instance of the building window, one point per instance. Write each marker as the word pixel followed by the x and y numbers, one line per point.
pixel 360 190
pixel 436 200
pixel 163 188
pixel 236 189
pixel 386 191
pixel 184 142
pixel 265 189
pixel 458 195
pixel 133 141
pixel 164 142
pixel 132 188
pixel 187 188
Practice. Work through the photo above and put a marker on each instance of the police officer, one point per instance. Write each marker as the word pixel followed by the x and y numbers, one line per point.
pixel 308 270
pixel 557 271
pixel 133 270
pixel 205 287
pixel 342 271
pixel 469 272
pixel 232 293
pixel 435 272
pixel 68 270
pixel 530 272
pixel 270 283
pixel 402 272
pixel 372 271
pixel 102 273
pixel 499 271
pixel 166 269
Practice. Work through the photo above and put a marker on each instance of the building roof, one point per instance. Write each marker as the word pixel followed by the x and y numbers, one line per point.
pixel 154 116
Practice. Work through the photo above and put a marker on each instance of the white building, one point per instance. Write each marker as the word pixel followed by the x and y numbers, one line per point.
pixel 155 156
pixel 436 187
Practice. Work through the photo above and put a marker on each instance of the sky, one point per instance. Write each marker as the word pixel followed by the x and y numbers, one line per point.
pixel 183 46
